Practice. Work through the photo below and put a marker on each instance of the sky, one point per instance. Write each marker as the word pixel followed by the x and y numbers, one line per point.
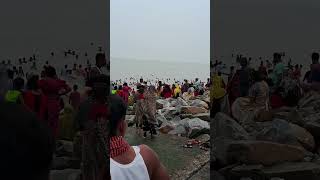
pixel 160 30
pixel 46 25
pixel 261 27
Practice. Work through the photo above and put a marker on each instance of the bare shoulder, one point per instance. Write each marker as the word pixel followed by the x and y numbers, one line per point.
pixel 148 154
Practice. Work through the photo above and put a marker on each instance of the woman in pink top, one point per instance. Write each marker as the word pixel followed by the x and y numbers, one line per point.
pixel 126 92
pixel 53 88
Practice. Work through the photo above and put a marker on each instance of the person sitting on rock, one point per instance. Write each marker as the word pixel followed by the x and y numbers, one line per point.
pixel 24 139
pixel 130 162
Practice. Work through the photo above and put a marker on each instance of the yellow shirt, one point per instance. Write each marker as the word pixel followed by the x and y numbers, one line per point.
pixel 217 91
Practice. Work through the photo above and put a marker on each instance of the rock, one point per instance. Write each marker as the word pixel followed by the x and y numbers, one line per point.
pixel 278 131
pixel 199 103
pixel 178 130
pixel 166 127
pixel 64 148
pixel 246 171
pixel 170 113
pixel 228 128
pixel 219 151
pixel 182 102
pixel 60 163
pixel 159 106
pixel 196 127
pixel 295 117
pixel 161 103
pixel 130 108
pixel 263 116
pixel 130 120
pixel 303 137
pixel 216 175
pixel 314 129
pixel 284 171
pixel 293 170
pixel 263 152
pixel 203 116
pixel 192 110
pixel 66 174
pixel 185 116
pixel 161 119
pixel 204 138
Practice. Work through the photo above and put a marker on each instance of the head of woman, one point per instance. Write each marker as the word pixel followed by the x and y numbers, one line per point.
pixel 51 72
pixel 118 110
pixel 257 76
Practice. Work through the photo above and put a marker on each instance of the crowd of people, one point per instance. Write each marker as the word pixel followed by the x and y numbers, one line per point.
pixel 97 123
pixel 268 86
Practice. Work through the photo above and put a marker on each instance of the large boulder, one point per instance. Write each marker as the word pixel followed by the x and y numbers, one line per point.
pixel 196 127
pixel 182 102
pixel 278 131
pixel 199 103
pixel 166 127
pixel 193 110
pixel 303 137
pixel 314 128
pixel 162 103
pixel 263 152
pixel 130 119
pixel 202 116
pixel 170 112
pixel 283 171
pixel 293 170
pixel 64 148
pixel 226 127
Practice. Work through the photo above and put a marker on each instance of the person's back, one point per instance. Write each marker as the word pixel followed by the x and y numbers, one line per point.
pixel 135 168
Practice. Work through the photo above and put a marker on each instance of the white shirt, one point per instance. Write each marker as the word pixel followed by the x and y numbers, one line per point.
pixel 136 170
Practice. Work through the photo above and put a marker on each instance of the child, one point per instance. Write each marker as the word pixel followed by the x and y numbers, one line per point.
pixel 74 99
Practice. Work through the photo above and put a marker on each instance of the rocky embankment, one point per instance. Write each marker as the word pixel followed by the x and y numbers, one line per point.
pixel 187 117
pixel 286 145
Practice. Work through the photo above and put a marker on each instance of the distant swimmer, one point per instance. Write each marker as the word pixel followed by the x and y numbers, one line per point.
pixel 100 49
pixel 73 53
pixel 52 53
pixel 77 56
pixel 91 44
pixel 65 54
pixel 86 54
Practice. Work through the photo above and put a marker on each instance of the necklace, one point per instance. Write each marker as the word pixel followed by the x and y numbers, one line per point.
pixel 118 146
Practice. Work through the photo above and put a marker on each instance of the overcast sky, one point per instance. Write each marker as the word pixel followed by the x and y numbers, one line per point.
pixel 260 27
pixel 166 30
pixel 27 25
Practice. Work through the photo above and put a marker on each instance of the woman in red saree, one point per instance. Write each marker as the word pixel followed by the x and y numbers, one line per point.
pixel 126 92
pixel 53 88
